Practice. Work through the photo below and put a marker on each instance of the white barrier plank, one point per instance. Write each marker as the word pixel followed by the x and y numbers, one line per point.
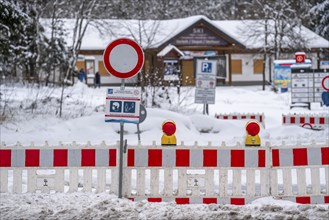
pixel 210 182
pixel 17 181
pixel 222 182
pixel 31 180
pixel 287 183
pixel 3 180
pixel 101 180
pixel 154 182
pixel 315 178
pixel 59 180
pixel 127 182
pixel 326 171
pixel 114 181
pixel 250 182
pixel 264 182
pixel 236 182
pixel 301 181
pixel 182 182
pixel 87 180
pixel 140 182
pixel 274 182
pixel 168 182
pixel 74 180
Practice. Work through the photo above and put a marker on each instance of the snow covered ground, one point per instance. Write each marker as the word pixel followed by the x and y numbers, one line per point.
pixel 31 117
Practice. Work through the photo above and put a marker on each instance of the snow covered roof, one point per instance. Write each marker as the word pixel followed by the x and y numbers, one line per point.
pixel 169 48
pixel 155 33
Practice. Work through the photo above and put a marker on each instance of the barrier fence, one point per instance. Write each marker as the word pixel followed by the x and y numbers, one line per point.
pixel 311 121
pixel 240 116
pixel 184 174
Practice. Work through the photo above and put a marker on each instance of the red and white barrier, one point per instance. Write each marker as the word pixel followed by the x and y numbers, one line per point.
pixel 315 122
pixel 196 158
pixel 188 174
pixel 241 116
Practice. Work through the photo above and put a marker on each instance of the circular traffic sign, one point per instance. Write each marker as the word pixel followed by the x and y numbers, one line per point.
pixel 325 83
pixel 123 58
pixel 169 127
pixel 252 128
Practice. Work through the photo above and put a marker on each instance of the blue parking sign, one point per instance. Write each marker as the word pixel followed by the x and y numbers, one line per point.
pixel 206 67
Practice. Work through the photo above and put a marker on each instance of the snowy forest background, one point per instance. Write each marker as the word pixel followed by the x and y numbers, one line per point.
pixel 30 56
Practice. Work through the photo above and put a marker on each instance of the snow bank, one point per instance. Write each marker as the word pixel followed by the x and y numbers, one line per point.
pixel 108 206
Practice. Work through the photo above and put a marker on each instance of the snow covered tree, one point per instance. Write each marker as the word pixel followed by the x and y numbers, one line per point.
pixel 320 17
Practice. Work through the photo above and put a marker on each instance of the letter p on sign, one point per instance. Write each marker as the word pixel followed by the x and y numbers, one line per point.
pixel 206 67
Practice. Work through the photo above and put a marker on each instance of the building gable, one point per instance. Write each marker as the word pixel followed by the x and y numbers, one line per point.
pixel 204 34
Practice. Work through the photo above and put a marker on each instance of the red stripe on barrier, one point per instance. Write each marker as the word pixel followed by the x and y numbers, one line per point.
pixel 88 157
pixel 131 158
pixel 311 120
pixel 32 157
pixel 261 158
pixel 284 119
pixel 237 158
pixel 225 117
pixel 325 155
pixel 182 201
pixel 155 157
pixel 209 200
pixel 300 156
pixel 275 158
pixel 182 158
pixel 132 199
pixel 154 199
pixel 210 158
pixel 292 120
pixel 303 200
pixel 253 117
pixel 234 117
pixel 237 201
pixel 60 157
pixel 5 158
pixel 302 120
pixel 243 117
pixel 112 157
pixel 260 118
pixel 326 199
pixel 321 120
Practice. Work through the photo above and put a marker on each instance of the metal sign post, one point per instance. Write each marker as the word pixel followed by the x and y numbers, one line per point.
pixel 121 148
pixel 123 58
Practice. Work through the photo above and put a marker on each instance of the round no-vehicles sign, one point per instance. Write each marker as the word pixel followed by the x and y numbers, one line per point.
pixel 123 58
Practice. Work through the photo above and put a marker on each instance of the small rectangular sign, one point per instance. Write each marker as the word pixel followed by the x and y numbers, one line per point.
pixel 205 88
pixel 122 105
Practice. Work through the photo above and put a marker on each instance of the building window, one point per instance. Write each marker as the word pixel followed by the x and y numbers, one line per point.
pixel 258 66
pixel 236 66
pixel 90 67
pixel 171 70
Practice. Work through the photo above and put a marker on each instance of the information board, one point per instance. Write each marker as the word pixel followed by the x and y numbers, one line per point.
pixel 205 88
pixel 123 105
pixel 307 85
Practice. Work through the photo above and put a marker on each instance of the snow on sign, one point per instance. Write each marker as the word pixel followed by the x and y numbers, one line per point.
pixel 123 105
pixel 205 81
pixel 123 58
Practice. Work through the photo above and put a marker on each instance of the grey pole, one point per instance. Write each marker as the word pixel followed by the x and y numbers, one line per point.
pixel 121 149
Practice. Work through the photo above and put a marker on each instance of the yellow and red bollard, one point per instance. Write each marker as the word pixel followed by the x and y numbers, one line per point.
pixel 253 129
pixel 168 137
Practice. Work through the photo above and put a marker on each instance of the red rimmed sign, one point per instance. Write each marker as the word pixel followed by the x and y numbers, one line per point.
pixel 123 58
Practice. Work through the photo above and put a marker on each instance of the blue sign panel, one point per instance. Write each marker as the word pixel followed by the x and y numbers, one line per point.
pixel 206 67
pixel 129 107
pixel 115 106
